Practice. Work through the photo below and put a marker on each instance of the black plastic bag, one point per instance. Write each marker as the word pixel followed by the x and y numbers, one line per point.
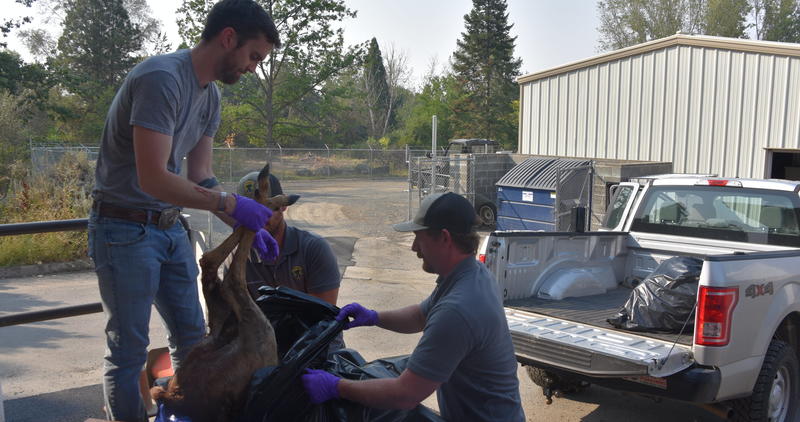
pixel 348 364
pixel 292 314
pixel 304 327
pixel 665 300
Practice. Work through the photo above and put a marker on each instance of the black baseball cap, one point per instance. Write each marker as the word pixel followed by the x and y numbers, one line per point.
pixel 447 210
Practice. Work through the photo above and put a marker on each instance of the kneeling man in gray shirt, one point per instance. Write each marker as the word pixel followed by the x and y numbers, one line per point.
pixel 465 353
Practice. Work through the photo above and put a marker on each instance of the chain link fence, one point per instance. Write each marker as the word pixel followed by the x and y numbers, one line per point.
pixel 46 156
pixel 574 198
pixel 427 176
pixel 231 164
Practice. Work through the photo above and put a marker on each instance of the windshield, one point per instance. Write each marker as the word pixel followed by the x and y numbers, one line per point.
pixel 724 213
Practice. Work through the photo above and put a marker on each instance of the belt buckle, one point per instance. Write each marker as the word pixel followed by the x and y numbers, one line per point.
pixel 168 217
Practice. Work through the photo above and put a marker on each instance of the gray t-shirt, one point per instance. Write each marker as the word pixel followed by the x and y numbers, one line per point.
pixel 162 94
pixel 466 345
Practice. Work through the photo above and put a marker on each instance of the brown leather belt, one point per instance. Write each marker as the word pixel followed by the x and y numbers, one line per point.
pixel 162 219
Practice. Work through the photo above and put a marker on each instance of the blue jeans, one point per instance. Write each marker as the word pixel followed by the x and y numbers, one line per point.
pixel 137 266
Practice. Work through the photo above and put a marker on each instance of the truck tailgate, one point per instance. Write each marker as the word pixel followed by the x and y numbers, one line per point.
pixel 591 350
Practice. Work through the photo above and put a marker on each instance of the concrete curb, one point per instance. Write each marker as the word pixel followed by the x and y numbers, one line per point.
pixel 48 268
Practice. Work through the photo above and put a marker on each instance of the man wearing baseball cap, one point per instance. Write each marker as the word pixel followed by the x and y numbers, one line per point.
pixel 305 262
pixel 465 353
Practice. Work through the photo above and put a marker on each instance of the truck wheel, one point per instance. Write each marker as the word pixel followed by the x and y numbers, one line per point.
pixel 555 382
pixel 487 214
pixel 776 395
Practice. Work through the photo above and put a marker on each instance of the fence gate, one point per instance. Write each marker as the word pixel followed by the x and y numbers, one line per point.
pixel 573 191
pixel 427 176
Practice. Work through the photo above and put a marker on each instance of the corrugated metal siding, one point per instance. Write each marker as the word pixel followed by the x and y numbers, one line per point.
pixel 707 110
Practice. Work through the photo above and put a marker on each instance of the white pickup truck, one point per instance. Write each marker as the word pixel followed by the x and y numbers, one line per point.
pixel 740 355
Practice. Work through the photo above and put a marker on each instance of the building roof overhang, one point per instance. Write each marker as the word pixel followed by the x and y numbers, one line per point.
pixel 735 44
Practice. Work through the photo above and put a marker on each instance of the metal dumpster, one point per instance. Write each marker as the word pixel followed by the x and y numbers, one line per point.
pixel 527 194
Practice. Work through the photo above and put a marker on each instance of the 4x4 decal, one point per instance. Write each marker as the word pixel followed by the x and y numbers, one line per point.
pixel 755 290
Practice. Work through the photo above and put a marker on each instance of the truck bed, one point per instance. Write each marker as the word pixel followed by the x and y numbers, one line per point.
pixel 591 310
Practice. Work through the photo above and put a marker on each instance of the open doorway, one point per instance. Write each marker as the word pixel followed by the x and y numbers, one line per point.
pixel 785 165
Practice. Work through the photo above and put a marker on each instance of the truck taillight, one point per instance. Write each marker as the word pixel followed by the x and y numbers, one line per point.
pixel 714 308
pixel 482 257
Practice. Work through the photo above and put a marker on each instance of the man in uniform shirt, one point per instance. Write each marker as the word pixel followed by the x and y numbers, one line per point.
pixel 465 353
pixel 305 263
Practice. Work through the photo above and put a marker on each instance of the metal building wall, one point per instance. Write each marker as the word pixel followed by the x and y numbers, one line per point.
pixel 707 110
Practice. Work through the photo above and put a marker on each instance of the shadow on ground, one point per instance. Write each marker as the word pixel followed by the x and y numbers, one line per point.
pixel 73 405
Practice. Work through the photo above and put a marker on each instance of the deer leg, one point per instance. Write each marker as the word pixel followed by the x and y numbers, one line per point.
pixel 235 279
pixel 218 308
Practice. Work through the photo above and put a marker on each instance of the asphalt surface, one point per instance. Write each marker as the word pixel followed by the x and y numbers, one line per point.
pixel 51 371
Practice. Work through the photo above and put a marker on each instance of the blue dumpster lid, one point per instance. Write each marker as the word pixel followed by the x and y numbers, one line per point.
pixel 538 173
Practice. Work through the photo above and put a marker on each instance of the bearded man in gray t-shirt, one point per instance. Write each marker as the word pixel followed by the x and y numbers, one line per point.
pixel 167 108
pixel 465 353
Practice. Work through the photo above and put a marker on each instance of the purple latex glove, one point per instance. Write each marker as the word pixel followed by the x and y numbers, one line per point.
pixel 362 317
pixel 321 386
pixel 266 246
pixel 250 213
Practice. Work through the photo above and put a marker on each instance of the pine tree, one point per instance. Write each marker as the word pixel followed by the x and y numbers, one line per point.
pixel 376 89
pixel 98 43
pixel 484 67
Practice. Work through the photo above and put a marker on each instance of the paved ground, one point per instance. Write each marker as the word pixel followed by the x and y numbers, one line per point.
pixel 50 371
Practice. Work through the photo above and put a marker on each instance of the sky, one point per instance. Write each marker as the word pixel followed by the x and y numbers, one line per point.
pixel 549 33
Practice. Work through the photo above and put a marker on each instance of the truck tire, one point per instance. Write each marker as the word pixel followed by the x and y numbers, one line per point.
pixel 553 381
pixel 487 214
pixel 776 395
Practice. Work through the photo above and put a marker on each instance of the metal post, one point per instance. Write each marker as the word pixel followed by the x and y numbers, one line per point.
pixel 329 160
pixel 230 164
pixel 369 163
pixel 434 123
pixel 280 155
pixel 410 186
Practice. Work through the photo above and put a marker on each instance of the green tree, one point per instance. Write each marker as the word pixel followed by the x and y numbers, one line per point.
pixel 781 21
pixel 726 18
pixel 23 96
pixel 28 81
pixel 191 16
pixel 485 68
pixel 97 45
pixel 376 90
pixel 434 98
pixel 624 23
pixel 291 77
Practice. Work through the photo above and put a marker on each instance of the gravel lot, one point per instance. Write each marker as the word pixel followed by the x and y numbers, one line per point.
pixel 51 370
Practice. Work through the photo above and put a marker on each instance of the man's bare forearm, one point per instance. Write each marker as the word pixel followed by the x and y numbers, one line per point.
pixel 404 320
pixel 403 392
pixel 176 190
